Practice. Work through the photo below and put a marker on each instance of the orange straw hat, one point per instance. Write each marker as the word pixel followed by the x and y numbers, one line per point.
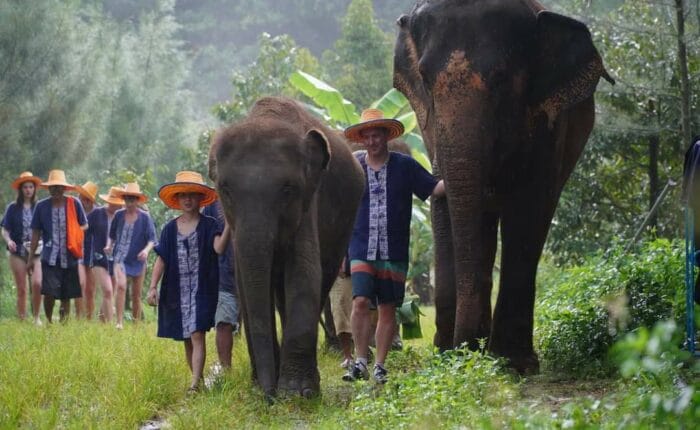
pixel 112 197
pixel 26 177
pixel 186 182
pixel 374 118
pixel 57 177
pixel 131 189
pixel 88 190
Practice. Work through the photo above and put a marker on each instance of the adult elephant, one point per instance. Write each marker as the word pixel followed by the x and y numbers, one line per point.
pixel 503 91
pixel 290 189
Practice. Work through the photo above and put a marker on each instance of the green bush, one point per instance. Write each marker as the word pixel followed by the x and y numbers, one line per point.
pixel 581 312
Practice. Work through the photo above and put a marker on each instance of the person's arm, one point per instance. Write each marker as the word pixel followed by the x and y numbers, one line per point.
pixel 32 249
pixel 222 240
pixel 439 190
pixel 158 269
pixel 151 235
pixel 143 255
pixel 11 245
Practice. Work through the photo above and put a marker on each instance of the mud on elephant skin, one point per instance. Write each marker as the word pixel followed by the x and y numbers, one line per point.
pixel 290 190
pixel 503 92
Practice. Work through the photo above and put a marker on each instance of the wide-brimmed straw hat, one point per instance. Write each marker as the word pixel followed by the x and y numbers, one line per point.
pixel 186 182
pixel 57 177
pixel 88 190
pixel 112 197
pixel 374 118
pixel 26 177
pixel 131 189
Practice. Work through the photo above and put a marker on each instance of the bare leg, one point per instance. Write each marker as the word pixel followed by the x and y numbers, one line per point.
pixel 121 293
pixel 386 327
pixel 188 352
pixel 198 357
pixel 36 289
pixel 19 271
pixel 49 302
pixel 89 293
pixel 361 325
pixel 224 343
pixel 64 310
pixel 79 302
pixel 102 277
pixel 136 287
pixel 346 345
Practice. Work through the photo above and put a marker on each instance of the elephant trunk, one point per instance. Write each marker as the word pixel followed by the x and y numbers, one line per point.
pixel 463 158
pixel 254 250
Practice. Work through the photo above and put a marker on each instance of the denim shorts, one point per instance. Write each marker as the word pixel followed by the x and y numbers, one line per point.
pixel 227 310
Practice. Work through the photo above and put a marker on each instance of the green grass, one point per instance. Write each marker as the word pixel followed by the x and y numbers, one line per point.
pixel 88 375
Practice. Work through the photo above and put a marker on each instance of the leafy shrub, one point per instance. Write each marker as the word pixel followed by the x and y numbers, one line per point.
pixel 581 312
pixel 454 388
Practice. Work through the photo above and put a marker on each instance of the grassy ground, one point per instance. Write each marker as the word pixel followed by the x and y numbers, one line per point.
pixel 88 375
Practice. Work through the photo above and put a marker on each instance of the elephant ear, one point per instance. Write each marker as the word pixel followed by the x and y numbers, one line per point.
pixel 566 66
pixel 318 156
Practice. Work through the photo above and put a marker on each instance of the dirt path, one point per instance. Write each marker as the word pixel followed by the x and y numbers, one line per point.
pixel 548 393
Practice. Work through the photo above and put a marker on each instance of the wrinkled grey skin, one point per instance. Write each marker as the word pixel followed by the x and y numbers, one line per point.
pixel 290 190
pixel 503 92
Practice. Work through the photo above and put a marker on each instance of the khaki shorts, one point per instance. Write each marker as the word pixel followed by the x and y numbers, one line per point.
pixel 341 304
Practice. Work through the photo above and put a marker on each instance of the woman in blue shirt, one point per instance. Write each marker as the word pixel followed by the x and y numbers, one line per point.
pixel 132 235
pixel 17 231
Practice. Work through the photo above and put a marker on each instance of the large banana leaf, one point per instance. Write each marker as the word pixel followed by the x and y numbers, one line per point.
pixel 409 121
pixel 391 103
pixel 327 97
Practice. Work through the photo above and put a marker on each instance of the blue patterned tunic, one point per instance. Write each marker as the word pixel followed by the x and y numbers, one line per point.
pixel 189 289
pixel 188 265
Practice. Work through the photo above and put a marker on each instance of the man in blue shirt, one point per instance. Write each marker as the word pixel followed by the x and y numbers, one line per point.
pixel 379 244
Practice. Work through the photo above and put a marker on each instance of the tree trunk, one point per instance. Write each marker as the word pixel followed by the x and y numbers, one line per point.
pixel 683 72
pixel 653 171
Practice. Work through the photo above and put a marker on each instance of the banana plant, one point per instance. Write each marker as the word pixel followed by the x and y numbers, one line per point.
pixel 334 109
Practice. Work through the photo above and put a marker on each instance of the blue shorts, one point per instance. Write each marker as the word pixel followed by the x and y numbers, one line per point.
pixel 227 310
pixel 381 281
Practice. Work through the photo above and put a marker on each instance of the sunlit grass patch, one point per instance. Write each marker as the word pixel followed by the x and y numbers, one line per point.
pixel 78 374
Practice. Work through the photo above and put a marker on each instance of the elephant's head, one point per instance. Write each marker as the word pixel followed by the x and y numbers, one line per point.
pixel 486 71
pixel 267 174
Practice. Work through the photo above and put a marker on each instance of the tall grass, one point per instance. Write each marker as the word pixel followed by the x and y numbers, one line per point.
pixel 81 374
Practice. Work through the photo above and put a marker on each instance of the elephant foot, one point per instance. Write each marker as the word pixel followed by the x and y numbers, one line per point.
pixel 525 365
pixel 307 385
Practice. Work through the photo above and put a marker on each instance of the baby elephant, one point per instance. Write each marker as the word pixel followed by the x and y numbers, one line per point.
pixel 290 189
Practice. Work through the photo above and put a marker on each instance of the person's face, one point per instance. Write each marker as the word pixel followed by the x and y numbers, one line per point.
pixel 375 140
pixel 28 190
pixel 131 202
pixel 87 203
pixel 189 202
pixel 56 190
pixel 111 207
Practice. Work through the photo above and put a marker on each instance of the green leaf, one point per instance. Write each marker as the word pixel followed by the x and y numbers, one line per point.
pixel 391 103
pixel 327 97
pixel 422 159
pixel 409 121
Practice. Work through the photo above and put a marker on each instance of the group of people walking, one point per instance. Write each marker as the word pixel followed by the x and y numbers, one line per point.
pixel 66 246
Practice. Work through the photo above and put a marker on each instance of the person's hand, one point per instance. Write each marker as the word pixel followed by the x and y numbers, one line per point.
pixel 30 269
pixel 143 255
pixel 12 246
pixel 152 298
pixel 108 250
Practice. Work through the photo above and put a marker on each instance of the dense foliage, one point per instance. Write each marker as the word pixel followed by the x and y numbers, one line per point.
pixel 583 310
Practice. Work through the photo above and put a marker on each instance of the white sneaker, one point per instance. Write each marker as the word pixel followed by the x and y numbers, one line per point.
pixel 38 323
pixel 119 326
pixel 347 363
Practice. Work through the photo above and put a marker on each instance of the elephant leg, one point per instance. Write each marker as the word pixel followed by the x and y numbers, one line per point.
pixel 444 275
pixel 524 227
pixel 298 367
